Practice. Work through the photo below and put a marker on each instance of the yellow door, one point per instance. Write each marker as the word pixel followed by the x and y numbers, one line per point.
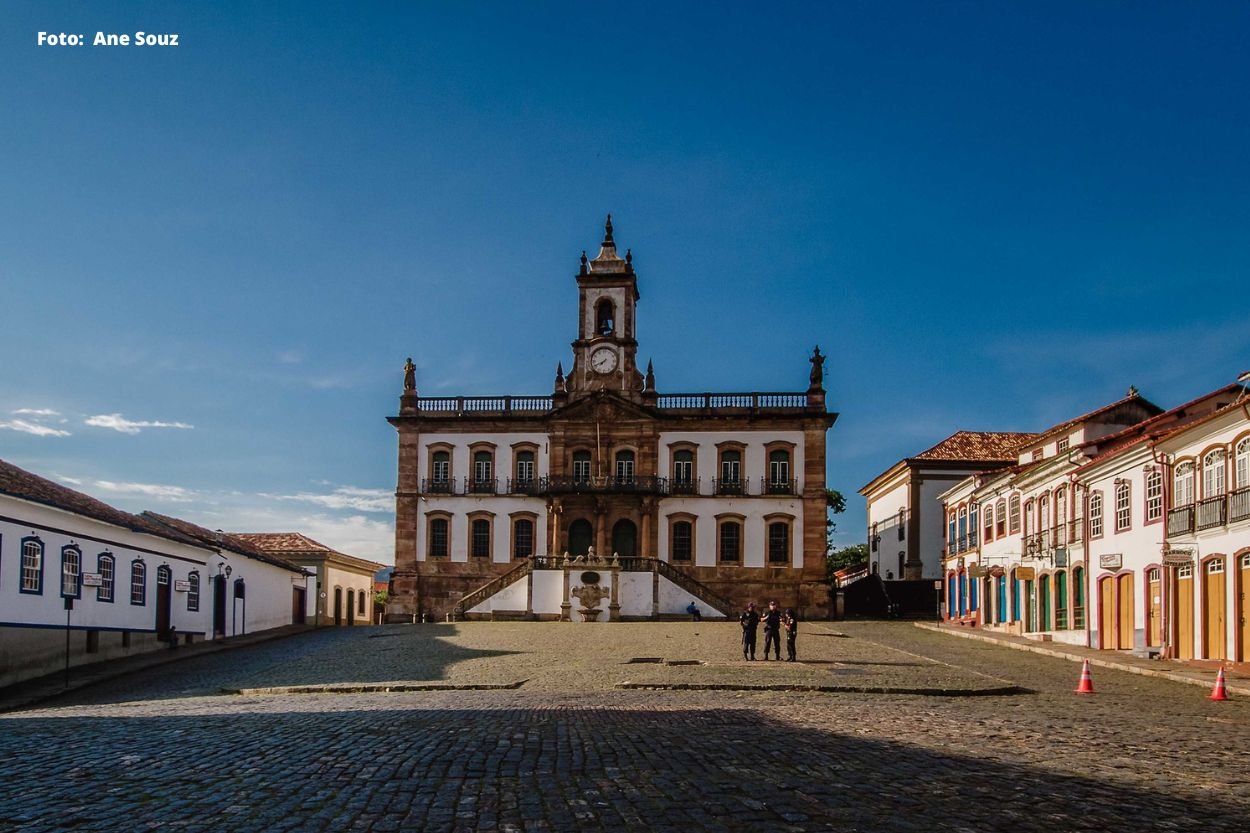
pixel 1185 612
pixel 1154 613
pixel 1213 604
pixel 1106 613
pixel 1124 596
pixel 1243 610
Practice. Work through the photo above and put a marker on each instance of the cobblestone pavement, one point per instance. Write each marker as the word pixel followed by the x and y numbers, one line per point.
pixel 162 750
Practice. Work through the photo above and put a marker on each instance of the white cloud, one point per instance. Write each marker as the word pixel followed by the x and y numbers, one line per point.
pixel 354 534
pixel 27 427
pixel 128 426
pixel 347 497
pixel 156 491
pixel 38 412
pixel 290 357
pixel 73 481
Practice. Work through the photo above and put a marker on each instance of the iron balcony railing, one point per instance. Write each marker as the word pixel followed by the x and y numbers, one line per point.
pixel 439 485
pixel 1181 520
pixel 453 406
pixel 729 486
pixel 771 486
pixel 524 486
pixel 743 401
pixel 1212 511
pixel 481 486
pixel 1239 505
pixel 623 484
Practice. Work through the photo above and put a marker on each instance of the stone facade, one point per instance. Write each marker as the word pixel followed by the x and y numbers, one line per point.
pixel 728 488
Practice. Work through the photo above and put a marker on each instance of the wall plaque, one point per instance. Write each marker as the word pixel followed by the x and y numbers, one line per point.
pixel 1111 560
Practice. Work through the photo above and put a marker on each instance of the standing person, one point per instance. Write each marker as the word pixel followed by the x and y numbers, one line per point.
pixel 791 623
pixel 772 629
pixel 749 619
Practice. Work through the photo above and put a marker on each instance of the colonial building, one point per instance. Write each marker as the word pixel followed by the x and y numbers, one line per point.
pixel 905 529
pixel 723 492
pixel 343 593
pixel 82 581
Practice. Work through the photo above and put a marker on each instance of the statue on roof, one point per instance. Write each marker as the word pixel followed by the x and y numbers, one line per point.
pixel 410 375
pixel 818 368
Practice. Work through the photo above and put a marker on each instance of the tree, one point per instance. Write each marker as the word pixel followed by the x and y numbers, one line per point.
pixel 846 557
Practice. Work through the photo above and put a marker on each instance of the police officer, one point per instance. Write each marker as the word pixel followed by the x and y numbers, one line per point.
pixel 772 629
pixel 749 619
pixel 791 624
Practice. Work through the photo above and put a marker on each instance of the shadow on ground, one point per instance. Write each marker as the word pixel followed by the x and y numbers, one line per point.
pixel 573 769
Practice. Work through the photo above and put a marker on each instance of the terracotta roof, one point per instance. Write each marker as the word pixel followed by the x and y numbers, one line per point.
pixel 291 544
pixel 1169 422
pixel 1134 398
pixel 22 484
pixel 977 445
pixel 222 539
pixel 282 541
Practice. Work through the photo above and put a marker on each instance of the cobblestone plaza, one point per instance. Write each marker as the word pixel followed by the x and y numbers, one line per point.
pixel 549 740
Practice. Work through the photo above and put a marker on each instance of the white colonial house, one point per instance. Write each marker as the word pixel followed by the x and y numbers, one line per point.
pixel 1014 558
pixel 1202 576
pixel 905 529
pixel 82 581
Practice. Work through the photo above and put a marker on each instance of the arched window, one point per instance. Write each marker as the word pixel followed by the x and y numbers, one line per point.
pixel 439 538
pixel 581 466
pixel 360 602
pixel 1095 515
pixel 483 472
pixel 441 471
pixel 1242 464
pixel 1043 513
pixel 1123 506
pixel 1154 495
pixel 779 542
pixel 1213 474
pixel 902 561
pixel 988 529
pixel 1015 514
pixel 525 467
pixel 1183 485
pixel 106 566
pixel 32 565
pixel 683 472
pixel 440 480
pixel 681 541
pixel 952 541
pixel 973 531
pixel 138 583
pixel 625 467
pixel 963 528
pixel 605 317
pixel 479 538
pixel 1061 517
pixel 779 472
pixel 193 591
pixel 730 472
pixel 902 524
pixel 71 572
pixel 522 538
pixel 729 546
pixel 1000 515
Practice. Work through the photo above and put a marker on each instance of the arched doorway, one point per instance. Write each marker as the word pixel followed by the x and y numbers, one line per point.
pixel 581 533
pixel 1243 600
pixel 338 605
pixel 1183 611
pixel 351 606
pixel 1214 600
pixel 1154 606
pixel 625 538
pixel 164 585
pixel 1043 607
pixel 1003 615
pixel 1127 620
pixel 1106 613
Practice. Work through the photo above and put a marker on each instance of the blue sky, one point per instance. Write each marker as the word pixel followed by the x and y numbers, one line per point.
pixel 215 258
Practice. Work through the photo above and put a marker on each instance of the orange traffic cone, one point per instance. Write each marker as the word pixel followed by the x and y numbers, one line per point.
pixel 1086 685
pixel 1220 692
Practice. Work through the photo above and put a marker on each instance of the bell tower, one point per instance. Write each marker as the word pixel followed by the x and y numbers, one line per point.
pixel 604 354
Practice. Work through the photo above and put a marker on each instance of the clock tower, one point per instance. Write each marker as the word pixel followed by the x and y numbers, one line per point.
pixel 604 354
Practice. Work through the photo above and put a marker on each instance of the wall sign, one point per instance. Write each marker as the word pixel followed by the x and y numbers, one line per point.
pixel 92 580
pixel 1178 558
pixel 182 586
pixel 1026 573
pixel 1111 560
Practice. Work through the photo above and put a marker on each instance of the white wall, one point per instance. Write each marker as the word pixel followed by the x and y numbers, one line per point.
pixel 512 597
pixel 635 594
pixel 501 536
pixel 754 462
pixel 883 511
pixel 754 533
pixel 461 464
pixel 548 591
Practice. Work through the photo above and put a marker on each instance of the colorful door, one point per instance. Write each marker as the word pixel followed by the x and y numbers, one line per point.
pixel 1124 602
pixel 1154 607
pixel 164 586
pixel 1029 599
pixel 1015 598
pixel 1002 598
pixel 1214 600
pixel 1043 607
pixel 1106 613
pixel 1243 610
pixel 1184 608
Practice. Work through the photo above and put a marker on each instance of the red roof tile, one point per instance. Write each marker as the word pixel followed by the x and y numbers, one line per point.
pixel 222 539
pixel 977 445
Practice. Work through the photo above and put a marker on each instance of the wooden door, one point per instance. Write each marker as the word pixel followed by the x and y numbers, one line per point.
pixel 1214 601
pixel 219 606
pixel 1184 608
pixel 1106 613
pixel 338 605
pixel 164 586
pixel 299 602
pixel 1124 601
pixel 1030 601
pixel 1154 607
pixel 1243 610
pixel 1043 605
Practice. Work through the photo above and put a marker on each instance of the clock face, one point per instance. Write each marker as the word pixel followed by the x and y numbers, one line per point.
pixel 603 360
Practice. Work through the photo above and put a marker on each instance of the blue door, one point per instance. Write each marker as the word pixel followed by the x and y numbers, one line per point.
pixel 1002 599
